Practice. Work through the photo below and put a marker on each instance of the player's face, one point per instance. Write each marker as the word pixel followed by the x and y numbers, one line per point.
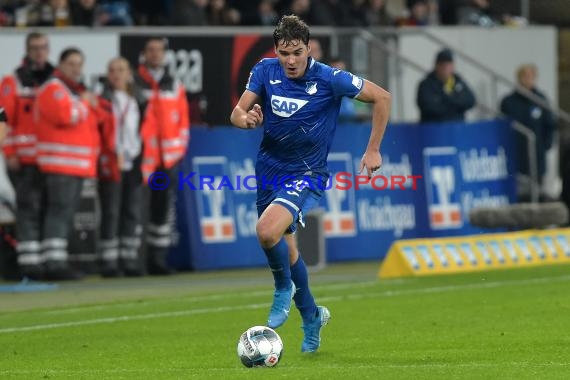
pixel 119 74
pixel 38 51
pixel 293 57
pixel 72 67
pixel 154 54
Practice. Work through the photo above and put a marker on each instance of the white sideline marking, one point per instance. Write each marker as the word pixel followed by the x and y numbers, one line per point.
pixel 388 293
pixel 194 299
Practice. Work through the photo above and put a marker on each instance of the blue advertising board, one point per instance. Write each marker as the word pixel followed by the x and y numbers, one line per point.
pixel 432 175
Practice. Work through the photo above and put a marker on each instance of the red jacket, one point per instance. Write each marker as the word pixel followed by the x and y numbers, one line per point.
pixel 108 169
pixel 17 96
pixel 166 127
pixel 68 139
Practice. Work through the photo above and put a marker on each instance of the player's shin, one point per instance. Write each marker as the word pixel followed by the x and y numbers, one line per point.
pixel 303 298
pixel 278 260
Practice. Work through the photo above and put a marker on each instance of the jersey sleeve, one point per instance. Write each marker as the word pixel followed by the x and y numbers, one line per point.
pixel 8 101
pixel 8 98
pixel 345 83
pixel 256 79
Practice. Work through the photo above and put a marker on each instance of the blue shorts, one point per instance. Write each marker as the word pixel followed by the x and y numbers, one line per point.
pixel 299 195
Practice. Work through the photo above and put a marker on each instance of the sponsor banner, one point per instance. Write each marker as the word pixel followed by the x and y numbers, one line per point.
pixel 360 221
pixel 217 227
pixel 422 257
pixel 465 167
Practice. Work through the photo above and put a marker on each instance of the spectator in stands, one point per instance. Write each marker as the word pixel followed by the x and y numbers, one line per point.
pixel 301 8
pixel 377 14
pixel 68 144
pixel 354 14
pixel 83 12
pixel 267 15
pixel 190 12
pixel 220 14
pixel 316 49
pixel 421 13
pixel 60 14
pixel 120 177
pixel 168 119
pixel 153 12
pixel 42 13
pixel 443 95
pixel 534 117
pixel 476 12
pixel 17 96
pixel 326 12
pixel 113 13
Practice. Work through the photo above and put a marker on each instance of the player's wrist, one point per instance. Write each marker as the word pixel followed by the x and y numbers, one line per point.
pixel 244 122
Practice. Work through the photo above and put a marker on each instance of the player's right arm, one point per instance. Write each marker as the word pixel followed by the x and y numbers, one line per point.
pixel 247 113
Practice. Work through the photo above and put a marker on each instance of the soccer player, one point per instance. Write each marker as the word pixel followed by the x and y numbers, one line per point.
pixel 298 100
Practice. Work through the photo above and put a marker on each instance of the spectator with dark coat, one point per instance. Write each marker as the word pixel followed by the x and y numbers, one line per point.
pixel 532 116
pixel 443 95
pixel 190 12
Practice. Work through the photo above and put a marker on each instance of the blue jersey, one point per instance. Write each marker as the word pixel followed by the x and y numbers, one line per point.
pixel 299 116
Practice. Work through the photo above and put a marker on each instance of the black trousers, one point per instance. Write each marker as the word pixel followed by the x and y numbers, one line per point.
pixel 162 216
pixel 29 185
pixel 121 217
pixel 62 198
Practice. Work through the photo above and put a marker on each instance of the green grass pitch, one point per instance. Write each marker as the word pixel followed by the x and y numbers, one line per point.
pixel 511 324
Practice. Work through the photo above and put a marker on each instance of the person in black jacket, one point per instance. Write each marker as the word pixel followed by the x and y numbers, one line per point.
pixel 443 95
pixel 532 116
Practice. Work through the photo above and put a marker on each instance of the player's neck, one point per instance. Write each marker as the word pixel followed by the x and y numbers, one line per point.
pixel 307 67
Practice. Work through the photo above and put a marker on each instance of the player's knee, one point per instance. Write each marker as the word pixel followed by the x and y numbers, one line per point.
pixel 267 235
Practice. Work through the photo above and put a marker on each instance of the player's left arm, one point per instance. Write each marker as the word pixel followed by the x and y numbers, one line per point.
pixel 381 101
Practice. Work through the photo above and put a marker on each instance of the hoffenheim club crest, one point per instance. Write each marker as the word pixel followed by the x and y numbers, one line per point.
pixel 311 88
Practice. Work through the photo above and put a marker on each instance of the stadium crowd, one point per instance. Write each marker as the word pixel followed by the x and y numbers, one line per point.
pixel 355 13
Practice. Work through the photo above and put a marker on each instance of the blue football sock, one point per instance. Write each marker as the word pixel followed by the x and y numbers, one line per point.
pixel 303 298
pixel 278 259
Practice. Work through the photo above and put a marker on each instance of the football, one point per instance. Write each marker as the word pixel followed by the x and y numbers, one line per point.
pixel 260 346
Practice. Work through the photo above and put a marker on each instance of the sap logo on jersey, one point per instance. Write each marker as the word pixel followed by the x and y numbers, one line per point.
pixel 285 107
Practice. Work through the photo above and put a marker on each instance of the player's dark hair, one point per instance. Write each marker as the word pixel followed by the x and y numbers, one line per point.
pixel 33 36
pixel 70 51
pixel 291 28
